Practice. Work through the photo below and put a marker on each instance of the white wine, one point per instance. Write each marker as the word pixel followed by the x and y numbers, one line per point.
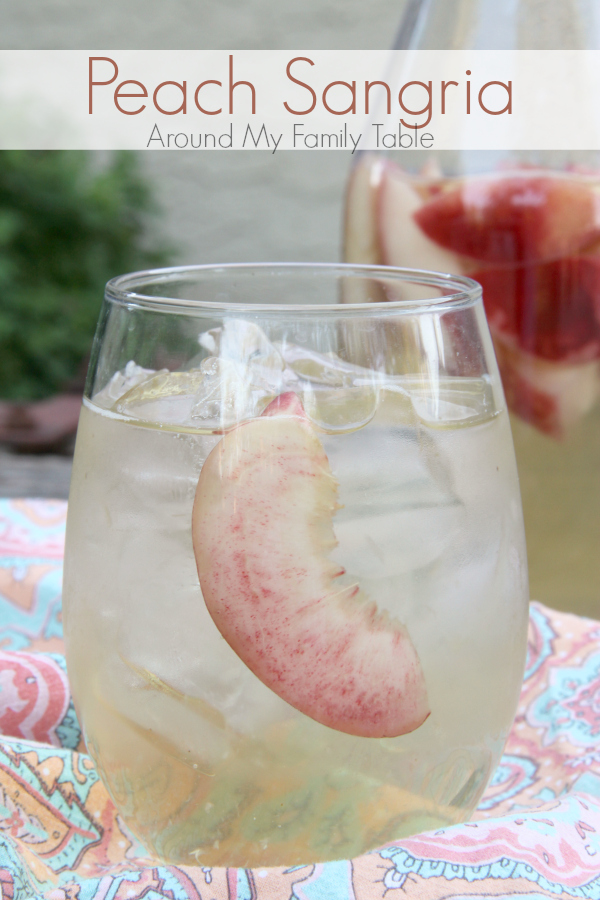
pixel 205 762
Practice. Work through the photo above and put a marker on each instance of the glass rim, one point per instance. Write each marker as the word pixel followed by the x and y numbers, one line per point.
pixel 122 289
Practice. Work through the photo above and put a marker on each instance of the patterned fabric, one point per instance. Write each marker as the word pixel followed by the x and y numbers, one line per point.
pixel 536 833
pixel 32 542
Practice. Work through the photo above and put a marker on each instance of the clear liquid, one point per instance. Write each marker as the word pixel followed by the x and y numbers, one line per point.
pixel 204 762
pixel 560 490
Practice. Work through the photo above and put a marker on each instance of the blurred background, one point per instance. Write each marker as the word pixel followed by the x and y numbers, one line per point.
pixel 71 221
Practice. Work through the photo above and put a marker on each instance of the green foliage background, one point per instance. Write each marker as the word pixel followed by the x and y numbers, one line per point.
pixel 67 225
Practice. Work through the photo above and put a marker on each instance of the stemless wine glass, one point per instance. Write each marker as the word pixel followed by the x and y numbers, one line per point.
pixel 295 590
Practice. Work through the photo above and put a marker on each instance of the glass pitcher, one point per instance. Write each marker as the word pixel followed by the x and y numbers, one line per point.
pixel 526 225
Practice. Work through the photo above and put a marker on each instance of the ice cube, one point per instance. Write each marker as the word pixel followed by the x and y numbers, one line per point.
pixel 397 515
pixel 122 382
pixel 340 410
pixel 444 401
pixel 166 398
pixel 232 391
pixel 455 402
pixel 320 368
pixel 243 342
pixel 243 374
pixel 337 396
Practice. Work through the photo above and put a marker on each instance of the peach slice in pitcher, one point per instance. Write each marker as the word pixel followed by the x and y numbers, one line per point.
pixel 262 532
pixel 513 218
pixel 549 309
pixel 402 240
pixel 550 396
pixel 361 240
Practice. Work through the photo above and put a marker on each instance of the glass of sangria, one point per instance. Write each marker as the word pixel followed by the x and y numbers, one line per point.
pixel 295 594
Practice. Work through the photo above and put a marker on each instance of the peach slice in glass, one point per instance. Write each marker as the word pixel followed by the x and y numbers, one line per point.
pixel 262 533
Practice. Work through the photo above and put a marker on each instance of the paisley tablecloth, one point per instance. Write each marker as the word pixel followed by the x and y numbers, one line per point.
pixel 536 833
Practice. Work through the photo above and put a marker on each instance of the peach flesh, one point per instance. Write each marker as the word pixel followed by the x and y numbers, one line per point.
pixel 513 219
pixel 402 241
pixel 361 239
pixel 262 528
pixel 551 397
